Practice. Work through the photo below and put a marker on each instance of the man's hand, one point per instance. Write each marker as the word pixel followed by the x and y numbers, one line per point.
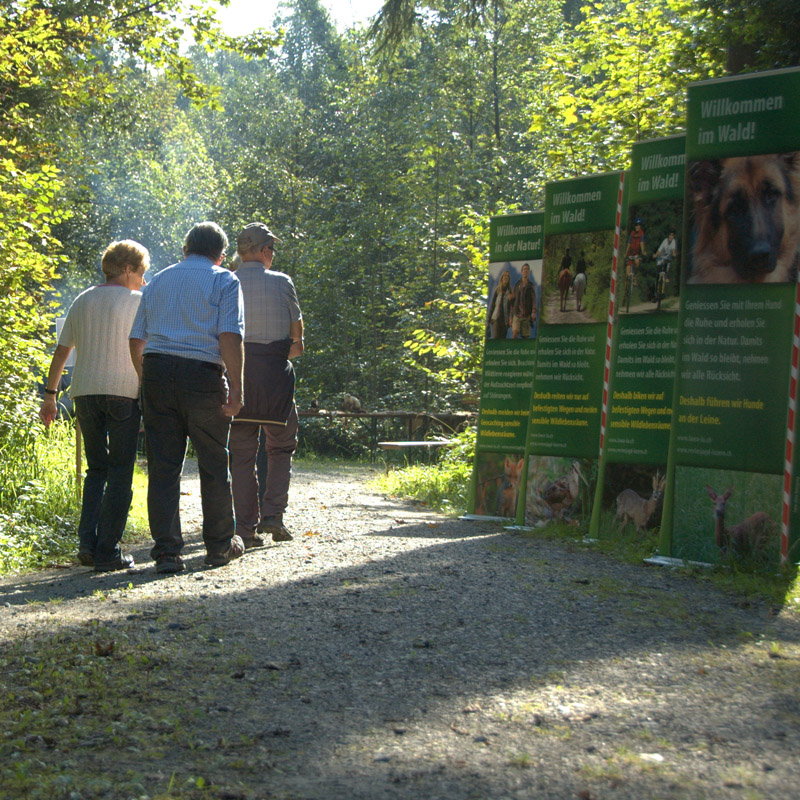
pixel 298 342
pixel 234 404
pixel 232 351
pixel 136 347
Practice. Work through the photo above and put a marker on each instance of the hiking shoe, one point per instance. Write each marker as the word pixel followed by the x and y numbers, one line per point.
pixel 236 550
pixel 85 558
pixel 123 562
pixel 275 527
pixel 253 541
pixel 169 565
pixel 281 534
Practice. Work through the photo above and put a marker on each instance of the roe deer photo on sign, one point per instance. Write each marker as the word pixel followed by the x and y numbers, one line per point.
pixel 747 537
pixel 632 507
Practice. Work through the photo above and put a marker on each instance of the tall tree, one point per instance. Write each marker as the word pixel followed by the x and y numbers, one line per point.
pixel 620 76
pixel 59 58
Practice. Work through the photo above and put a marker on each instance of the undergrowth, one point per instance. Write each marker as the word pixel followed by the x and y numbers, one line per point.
pixel 40 506
pixel 39 509
pixel 442 486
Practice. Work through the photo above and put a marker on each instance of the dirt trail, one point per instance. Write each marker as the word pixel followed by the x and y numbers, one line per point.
pixel 391 652
pixel 554 314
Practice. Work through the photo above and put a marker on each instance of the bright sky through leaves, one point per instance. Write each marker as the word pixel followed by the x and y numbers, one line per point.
pixel 242 16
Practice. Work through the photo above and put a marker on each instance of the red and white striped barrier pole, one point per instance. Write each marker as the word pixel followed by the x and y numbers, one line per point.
pixel 790 427
pixel 611 310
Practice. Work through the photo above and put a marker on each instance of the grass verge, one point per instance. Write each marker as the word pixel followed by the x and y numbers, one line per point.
pixel 442 486
pixel 39 514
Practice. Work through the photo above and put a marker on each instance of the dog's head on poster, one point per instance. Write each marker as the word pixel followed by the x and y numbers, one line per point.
pixel 746 219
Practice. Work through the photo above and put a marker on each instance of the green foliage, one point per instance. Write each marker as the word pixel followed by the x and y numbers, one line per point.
pixel 619 77
pixel 454 358
pixel 754 34
pixel 38 500
pixel 61 66
pixel 443 486
pixel 333 438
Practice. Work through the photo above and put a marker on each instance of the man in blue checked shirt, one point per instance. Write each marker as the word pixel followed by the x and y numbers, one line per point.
pixel 187 332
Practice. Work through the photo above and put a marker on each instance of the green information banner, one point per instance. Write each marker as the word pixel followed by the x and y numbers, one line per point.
pixel 568 391
pixel 729 476
pixel 513 311
pixel 641 395
pixel 565 413
pixel 635 444
pixel 505 394
pixel 734 377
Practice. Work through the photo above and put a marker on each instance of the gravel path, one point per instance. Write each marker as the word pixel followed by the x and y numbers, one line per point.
pixel 390 652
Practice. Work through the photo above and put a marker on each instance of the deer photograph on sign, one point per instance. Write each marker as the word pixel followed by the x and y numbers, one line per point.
pixel 728 515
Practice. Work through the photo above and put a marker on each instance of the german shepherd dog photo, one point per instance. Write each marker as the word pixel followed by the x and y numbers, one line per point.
pixel 746 219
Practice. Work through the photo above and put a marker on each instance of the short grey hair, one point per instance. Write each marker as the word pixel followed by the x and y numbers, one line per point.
pixel 206 239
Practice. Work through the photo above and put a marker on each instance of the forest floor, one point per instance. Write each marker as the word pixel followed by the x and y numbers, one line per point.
pixel 392 652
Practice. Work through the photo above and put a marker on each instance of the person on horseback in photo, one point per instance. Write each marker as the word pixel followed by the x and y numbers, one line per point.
pixel 580 281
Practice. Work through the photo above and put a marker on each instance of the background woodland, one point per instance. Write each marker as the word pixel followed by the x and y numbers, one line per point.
pixel 376 154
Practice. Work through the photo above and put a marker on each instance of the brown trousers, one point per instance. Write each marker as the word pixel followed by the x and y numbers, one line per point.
pixel 281 443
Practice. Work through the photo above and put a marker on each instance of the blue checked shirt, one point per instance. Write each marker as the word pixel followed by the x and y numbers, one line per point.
pixel 185 308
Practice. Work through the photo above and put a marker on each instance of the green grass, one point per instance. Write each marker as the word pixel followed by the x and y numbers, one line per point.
pixel 627 543
pixel 114 690
pixel 39 518
pixel 779 586
pixel 138 527
pixel 440 487
pixel 443 486
pixel 39 512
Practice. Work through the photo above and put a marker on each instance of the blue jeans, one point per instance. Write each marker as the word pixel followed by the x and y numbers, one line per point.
pixel 110 427
pixel 183 397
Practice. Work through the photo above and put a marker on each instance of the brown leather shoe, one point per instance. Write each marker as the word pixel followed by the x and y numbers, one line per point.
pixel 275 527
pixel 253 541
pixel 236 550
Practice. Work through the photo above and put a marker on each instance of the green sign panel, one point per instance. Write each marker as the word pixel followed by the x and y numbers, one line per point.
pixel 513 312
pixel 729 443
pixel 568 391
pixel 743 116
pixel 565 413
pixel 639 420
pixel 642 366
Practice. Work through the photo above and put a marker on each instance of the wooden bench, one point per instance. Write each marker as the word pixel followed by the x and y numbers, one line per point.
pixel 427 444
